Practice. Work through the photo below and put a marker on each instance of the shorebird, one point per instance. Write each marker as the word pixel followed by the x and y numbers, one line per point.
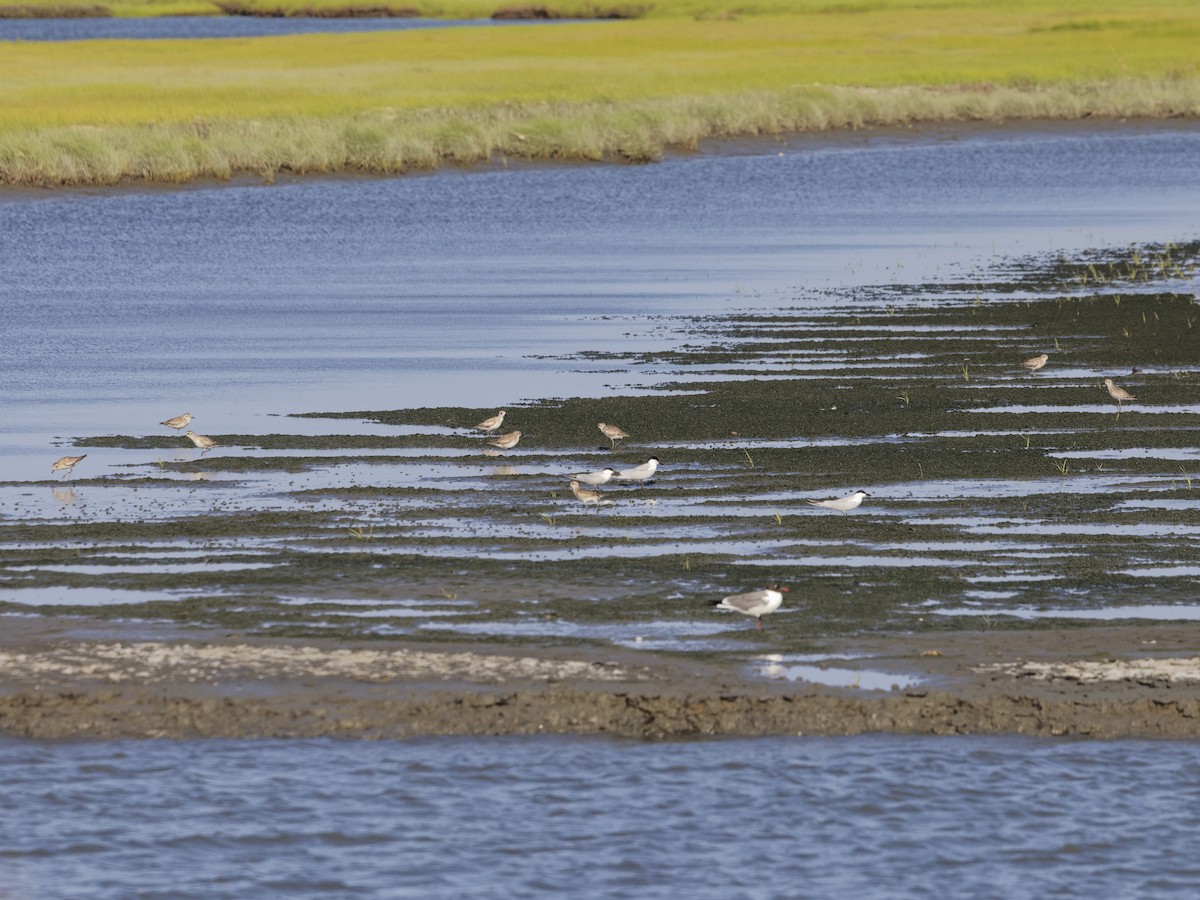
pixel 612 432
pixel 178 422
pixel 842 504
pixel 490 425
pixel 506 441
pixel 1036 362
pixel 604 476
pixel 68 463
pixel 204 443
pixel 644 472
pixel 586 496
pixel 755 603
pixel 1117 393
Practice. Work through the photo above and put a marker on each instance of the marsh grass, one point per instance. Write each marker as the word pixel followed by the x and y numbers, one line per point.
pixel 105 112
pixel 392 143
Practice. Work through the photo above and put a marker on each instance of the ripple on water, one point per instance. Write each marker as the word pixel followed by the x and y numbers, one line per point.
pixel 874 817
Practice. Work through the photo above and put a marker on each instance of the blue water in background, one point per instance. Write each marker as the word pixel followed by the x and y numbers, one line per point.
pixel 192 27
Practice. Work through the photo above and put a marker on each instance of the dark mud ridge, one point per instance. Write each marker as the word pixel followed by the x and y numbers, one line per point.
pixel 1030 683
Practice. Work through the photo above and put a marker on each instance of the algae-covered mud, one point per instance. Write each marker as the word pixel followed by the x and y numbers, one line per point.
pixel 996 498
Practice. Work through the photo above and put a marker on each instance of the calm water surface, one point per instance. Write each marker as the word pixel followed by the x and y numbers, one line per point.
pixel 869 817
pixel 243 302
pixel 189 27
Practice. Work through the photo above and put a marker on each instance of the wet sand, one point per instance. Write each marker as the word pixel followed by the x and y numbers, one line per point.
pixel 62 678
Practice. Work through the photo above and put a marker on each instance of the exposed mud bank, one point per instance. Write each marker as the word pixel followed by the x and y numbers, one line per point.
pixel 53 686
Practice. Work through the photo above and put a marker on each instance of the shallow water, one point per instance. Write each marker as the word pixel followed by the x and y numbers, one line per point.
pixel 825 262
pixel 244 303
pixel 193 27
pixel 240 303
pixel 871 817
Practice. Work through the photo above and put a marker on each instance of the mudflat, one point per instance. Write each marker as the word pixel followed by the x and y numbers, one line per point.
pixel 66 678
pixel 415 582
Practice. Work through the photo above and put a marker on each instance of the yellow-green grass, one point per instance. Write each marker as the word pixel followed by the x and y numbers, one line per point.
pixel 105 111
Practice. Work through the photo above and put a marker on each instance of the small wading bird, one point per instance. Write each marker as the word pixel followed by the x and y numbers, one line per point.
pixel 68 463
pixel 506 441
pixel 1036 362
pixel 604 476
pixel 204 443
pixel 842 504
pixel 644 472
pixel 612 432
pixel 755 603
pixel 490 425
pixel 1117 393
pixel 586 496
pixel 178 422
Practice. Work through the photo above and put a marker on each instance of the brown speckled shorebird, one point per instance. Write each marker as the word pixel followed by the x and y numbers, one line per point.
pixel 204 443
pixel 612 432
pixel 178 422
pixel 1117 393
pixel 68 463
pixel 490 425
pixel 506 441
pixel 586 496
pixel 1035 363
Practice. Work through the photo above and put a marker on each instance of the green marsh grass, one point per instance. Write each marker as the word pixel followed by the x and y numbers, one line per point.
pixel 103 112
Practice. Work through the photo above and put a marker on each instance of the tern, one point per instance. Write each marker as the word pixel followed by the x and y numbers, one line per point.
pixel 604 476
pixel 755 603
pixel 842 504
pixel 492 424
pixel 1036 362
pixel 612 432
pixel 178 422
pixel 68 463
pixel 644 472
